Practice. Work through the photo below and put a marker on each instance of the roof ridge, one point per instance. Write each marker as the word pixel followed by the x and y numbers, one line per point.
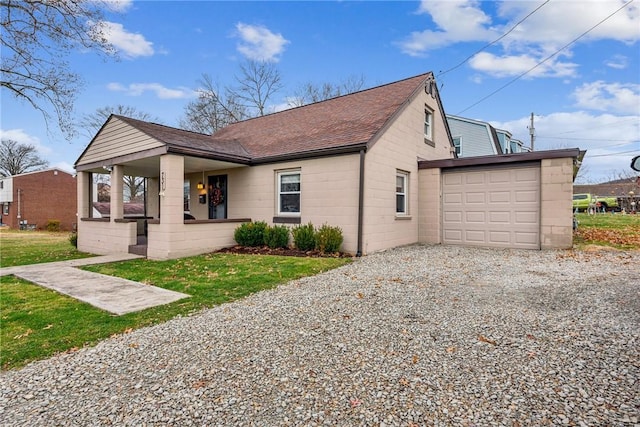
pixel 119 116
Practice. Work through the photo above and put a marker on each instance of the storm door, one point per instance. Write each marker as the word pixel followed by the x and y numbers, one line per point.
pixel 217 195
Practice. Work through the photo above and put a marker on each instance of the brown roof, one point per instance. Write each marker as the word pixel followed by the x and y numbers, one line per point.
pixel 345 121
pixel 180 138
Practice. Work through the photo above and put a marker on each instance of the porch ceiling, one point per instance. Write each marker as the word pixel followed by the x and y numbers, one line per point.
pixel 150 166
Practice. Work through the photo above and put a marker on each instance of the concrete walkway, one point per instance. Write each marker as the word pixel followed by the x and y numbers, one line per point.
pixel 113 294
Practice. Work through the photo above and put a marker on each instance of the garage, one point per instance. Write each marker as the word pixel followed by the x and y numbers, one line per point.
pixel 492 206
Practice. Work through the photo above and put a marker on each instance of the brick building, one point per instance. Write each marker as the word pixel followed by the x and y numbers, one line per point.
pixel 35 198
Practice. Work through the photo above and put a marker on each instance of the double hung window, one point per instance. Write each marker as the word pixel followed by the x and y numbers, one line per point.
pixel 289 193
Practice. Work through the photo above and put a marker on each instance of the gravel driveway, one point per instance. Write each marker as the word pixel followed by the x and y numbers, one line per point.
pixel 416 336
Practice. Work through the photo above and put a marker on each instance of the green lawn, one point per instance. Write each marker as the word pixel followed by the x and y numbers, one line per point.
pixel 37 323
pixel 35 247
pixel 612 230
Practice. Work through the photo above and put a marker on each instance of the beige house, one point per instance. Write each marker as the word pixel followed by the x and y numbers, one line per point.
pixel 363 162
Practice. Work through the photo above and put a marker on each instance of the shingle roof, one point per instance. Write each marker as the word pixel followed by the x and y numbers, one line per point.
pixel 346 121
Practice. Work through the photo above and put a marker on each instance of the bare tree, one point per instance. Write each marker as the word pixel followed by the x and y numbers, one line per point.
pixel 213 109
pixel 311 92
pixel 36 38
pixel 16 158
pixel 91 123
pixel 257 83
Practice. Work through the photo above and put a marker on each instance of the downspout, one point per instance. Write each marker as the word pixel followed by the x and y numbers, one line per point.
pixel 360 203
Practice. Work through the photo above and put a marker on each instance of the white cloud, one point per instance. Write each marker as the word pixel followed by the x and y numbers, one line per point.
pixel 137 89
pixel 447 16
pixel 514 65
pixel 550 28
pixel 130 44
pixel 119 5
pixel 601 96
pixel 619 62
pixel 22 137
pixel 604 136
pixel 259 43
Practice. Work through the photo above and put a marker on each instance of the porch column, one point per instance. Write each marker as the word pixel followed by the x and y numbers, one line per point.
pixel 117 184
pixel 83 184
pixel 171 189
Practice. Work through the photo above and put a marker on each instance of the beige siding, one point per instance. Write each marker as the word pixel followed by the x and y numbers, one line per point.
pixel 103 238
pixel 329 193
pixel 117 139
pixel 556 228
pixel 170 241
pixel 399 148
pixel 429 212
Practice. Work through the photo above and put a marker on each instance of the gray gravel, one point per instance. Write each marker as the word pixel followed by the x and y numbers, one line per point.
pixel 416 336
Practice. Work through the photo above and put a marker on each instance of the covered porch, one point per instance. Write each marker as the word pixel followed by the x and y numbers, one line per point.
pixel 186 206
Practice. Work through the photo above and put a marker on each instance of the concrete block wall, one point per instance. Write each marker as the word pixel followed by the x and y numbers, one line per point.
pixel 429 206
pixel 556 216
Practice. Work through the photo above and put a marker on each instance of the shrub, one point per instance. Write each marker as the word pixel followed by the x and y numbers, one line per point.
pixel 250 233
pixel 276 236
pixel 73 239
pixel 329 239
pixel 304 237
pixel 53 225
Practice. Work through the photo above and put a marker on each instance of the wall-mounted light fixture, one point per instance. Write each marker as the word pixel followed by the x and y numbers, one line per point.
pixel 200 186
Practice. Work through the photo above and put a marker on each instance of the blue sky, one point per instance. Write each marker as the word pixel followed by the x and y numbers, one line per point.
pixel 584 93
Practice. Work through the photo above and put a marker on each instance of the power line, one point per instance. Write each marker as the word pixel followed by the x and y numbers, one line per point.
pixel 633 119
pixel 613 154
pixel 493 42
pixel 509 83
pixel 588 139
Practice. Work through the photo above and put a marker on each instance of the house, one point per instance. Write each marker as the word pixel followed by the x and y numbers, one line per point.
pixel 31 200
pixel 355 161
pixel 478 138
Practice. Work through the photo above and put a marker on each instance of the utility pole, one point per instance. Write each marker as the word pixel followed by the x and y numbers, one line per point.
pixel 532 132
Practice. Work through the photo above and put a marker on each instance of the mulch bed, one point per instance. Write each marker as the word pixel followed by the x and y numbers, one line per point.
pixel 265 250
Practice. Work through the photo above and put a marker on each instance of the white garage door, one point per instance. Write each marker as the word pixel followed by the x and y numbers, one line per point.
pixel 493 207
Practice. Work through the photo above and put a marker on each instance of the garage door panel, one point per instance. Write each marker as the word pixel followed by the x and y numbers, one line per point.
pixel 493 207
pixel 499 237
pixel 477 178
pixel 499 217
pixel 475 197
pixel 477 217
pixel 499 196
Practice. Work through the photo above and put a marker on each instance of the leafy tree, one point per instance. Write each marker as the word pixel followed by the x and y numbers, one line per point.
pixel 36 38
pixel 257 82
pixel 16 158
pixel 311 92
pixel 91 123
pixel 213 109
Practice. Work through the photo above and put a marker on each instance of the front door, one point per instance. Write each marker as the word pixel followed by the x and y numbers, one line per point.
pixel 217 195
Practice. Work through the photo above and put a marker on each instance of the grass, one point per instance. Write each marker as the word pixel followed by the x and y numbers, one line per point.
pixel 35 247
pixel 610 230
pixel 37 323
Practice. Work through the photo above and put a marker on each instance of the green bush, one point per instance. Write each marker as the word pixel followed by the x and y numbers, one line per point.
pixel 250 233
pixel 276 236
pixel 328 239
pixel 73 239
pixel 304 237
pixel 53 225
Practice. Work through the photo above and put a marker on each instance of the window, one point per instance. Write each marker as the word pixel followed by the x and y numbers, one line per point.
pixel 428 124
pixel 402 181
pixel 289 193
pixel 457 143
pixel 5 209
pixel 187 195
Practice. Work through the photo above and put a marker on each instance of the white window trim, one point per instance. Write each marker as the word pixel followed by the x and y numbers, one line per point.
pixel 459 146
pixel 405 177
pixel 279 175
pixel 428 122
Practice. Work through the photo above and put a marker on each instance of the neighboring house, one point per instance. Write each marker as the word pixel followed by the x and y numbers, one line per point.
pixel 477 138
pixel 30 200
pixel 362 162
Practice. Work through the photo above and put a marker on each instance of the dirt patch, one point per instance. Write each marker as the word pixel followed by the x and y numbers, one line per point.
pixel 265 250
